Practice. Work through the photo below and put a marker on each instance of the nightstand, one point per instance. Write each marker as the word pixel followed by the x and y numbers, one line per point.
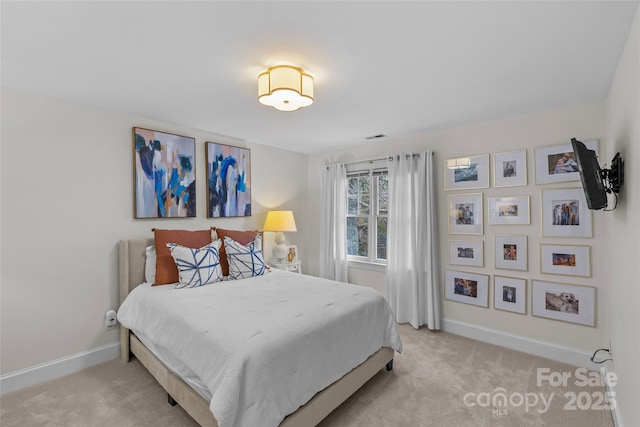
pixel 293 266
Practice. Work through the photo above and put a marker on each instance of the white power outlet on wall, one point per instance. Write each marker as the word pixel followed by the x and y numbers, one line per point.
pixel 110 321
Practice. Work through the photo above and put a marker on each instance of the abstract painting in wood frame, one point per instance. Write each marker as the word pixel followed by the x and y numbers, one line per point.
pixel 228 180
pixel 165 175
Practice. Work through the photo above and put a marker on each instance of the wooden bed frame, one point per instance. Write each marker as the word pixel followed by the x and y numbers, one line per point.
pixel 131 257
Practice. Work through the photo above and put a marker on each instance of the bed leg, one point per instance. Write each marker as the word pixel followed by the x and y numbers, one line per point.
pixel 171 401
pixel 125 351
pixel 390 365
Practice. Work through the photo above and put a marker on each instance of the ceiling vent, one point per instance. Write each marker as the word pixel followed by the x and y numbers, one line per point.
pixel 378 136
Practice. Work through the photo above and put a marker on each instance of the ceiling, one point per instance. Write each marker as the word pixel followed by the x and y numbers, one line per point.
pixel 384 67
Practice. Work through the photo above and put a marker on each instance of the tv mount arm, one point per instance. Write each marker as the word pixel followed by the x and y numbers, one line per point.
pixel 613 177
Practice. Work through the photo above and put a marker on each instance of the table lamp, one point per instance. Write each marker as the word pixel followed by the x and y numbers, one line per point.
pixel 280 221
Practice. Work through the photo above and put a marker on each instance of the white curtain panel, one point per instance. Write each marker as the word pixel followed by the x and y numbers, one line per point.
pixel 412 255
pixel 333 223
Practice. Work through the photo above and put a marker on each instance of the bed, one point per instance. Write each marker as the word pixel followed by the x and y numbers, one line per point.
pixel 182 391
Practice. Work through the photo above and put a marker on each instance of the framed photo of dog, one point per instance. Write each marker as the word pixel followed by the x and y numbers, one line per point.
pixel 510 169
pixel 465 213
pixel 565 213
pixel 558 163
pixel 568 260
pixel 510 294
pixel 468 288
pixel 467 252
pixel 561 301
pixel 474 173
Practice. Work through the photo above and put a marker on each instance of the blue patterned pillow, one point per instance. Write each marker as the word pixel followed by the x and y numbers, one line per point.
pixel 244 261
pixel 197 267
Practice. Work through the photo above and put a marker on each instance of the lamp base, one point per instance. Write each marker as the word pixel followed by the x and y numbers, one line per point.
pixel 280 252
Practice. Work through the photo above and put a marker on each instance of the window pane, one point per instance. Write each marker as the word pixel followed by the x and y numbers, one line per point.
pixel 352 196
pixel 381 249
pixel 365 195
pixel 352 185
pixel 383 194
pixel 357 236
pixel 363 204
pixel 352 205
pixel 358 195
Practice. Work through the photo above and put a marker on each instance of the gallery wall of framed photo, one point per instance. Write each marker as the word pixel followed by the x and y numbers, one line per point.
pixel 520 234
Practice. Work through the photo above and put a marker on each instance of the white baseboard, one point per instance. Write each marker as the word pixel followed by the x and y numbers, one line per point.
pixel 526 345
pixel 57 368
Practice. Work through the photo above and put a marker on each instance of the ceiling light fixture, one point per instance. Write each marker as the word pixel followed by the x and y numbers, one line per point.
pixel 285 88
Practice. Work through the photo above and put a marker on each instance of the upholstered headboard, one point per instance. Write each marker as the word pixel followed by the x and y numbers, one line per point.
pixel 131 260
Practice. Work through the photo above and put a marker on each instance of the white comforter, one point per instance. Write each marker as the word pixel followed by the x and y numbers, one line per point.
pixel 266 345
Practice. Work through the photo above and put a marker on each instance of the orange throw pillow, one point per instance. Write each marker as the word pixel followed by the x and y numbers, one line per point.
pixel 242 237
pixel 166 269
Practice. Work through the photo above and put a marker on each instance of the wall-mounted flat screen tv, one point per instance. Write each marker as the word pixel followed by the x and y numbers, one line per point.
pixel 591 175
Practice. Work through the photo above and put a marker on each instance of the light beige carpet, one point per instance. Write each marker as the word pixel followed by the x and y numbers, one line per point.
pixel 435 382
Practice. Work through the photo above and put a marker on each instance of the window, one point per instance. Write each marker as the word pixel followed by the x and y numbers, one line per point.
pixel 367 211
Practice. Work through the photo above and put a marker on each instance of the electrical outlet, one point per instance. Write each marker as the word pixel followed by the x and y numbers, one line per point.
pixel 110 321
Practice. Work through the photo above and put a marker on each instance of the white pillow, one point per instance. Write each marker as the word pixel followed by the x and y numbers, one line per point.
pixel 150 264
pixel 197 267
pixel 244 261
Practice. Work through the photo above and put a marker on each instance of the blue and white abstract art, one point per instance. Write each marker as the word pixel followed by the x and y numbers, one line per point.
pixel 228 180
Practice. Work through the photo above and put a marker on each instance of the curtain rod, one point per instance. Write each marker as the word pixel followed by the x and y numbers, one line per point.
pixel 380 159
pixel 383 158
pixel 370 161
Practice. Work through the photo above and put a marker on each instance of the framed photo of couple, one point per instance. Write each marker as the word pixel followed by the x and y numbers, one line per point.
pixel 565 213
pixel 468 288
pixel 558 163
pixel 465 214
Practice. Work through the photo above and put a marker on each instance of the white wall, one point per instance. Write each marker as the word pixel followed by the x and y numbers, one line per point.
pixel 67 198
pixel 530 131
pixel 623 258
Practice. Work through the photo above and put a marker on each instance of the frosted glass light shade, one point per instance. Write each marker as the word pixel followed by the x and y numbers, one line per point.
pixel 285 88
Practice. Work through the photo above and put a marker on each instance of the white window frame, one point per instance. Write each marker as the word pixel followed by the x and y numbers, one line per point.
pixel 372 169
